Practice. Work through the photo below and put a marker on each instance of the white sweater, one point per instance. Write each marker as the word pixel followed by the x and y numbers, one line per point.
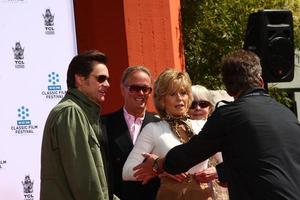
pixel 157 138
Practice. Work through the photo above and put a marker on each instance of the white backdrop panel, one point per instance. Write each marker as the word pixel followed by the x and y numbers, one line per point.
pixel 32 81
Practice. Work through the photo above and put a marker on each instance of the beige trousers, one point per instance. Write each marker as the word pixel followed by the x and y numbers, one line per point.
pixel 189 189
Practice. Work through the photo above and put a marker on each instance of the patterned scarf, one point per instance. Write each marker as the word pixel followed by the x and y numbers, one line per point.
pixel 175 122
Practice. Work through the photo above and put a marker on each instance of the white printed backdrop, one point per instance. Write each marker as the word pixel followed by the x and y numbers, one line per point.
pixel 37 42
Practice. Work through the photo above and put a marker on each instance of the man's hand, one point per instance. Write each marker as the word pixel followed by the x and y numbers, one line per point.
pixel 144 171
pixel 207 175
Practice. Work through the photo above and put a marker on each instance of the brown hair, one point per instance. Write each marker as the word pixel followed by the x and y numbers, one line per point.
pixel 83 64
pixel 167 82
pixel 241 70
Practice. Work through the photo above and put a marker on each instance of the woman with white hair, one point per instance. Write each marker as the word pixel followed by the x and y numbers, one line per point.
pixel 203 104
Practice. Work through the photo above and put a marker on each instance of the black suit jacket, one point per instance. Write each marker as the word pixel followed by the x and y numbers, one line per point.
pixel 120 145
pixel 259 139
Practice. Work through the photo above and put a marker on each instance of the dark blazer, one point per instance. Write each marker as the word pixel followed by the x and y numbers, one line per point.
pixel 120 145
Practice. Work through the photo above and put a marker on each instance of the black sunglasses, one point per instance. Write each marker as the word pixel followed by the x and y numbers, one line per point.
pixel 102 78
pixel 138 88
pixel 202 104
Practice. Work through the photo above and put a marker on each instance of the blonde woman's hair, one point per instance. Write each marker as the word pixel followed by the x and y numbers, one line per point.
pixel 167 82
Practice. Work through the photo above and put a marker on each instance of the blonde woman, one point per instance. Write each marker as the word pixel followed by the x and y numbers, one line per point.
pixel 172 99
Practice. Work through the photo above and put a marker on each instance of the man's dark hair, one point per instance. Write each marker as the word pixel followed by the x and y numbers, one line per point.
pixel 83 64
pixel 241 70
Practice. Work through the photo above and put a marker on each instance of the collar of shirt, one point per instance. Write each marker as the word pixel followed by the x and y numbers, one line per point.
pixel 85 103
pixel 254 91
pixel 134 124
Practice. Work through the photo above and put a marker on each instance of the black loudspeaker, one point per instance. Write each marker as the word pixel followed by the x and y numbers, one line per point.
pixel 270 35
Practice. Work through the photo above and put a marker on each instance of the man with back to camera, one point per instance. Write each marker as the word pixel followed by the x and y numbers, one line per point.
pixel 259 138
pixel 72 164
pixel 122 128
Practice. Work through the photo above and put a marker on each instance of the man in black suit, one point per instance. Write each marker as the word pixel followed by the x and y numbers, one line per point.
pixel 259 138
pixel 122 128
